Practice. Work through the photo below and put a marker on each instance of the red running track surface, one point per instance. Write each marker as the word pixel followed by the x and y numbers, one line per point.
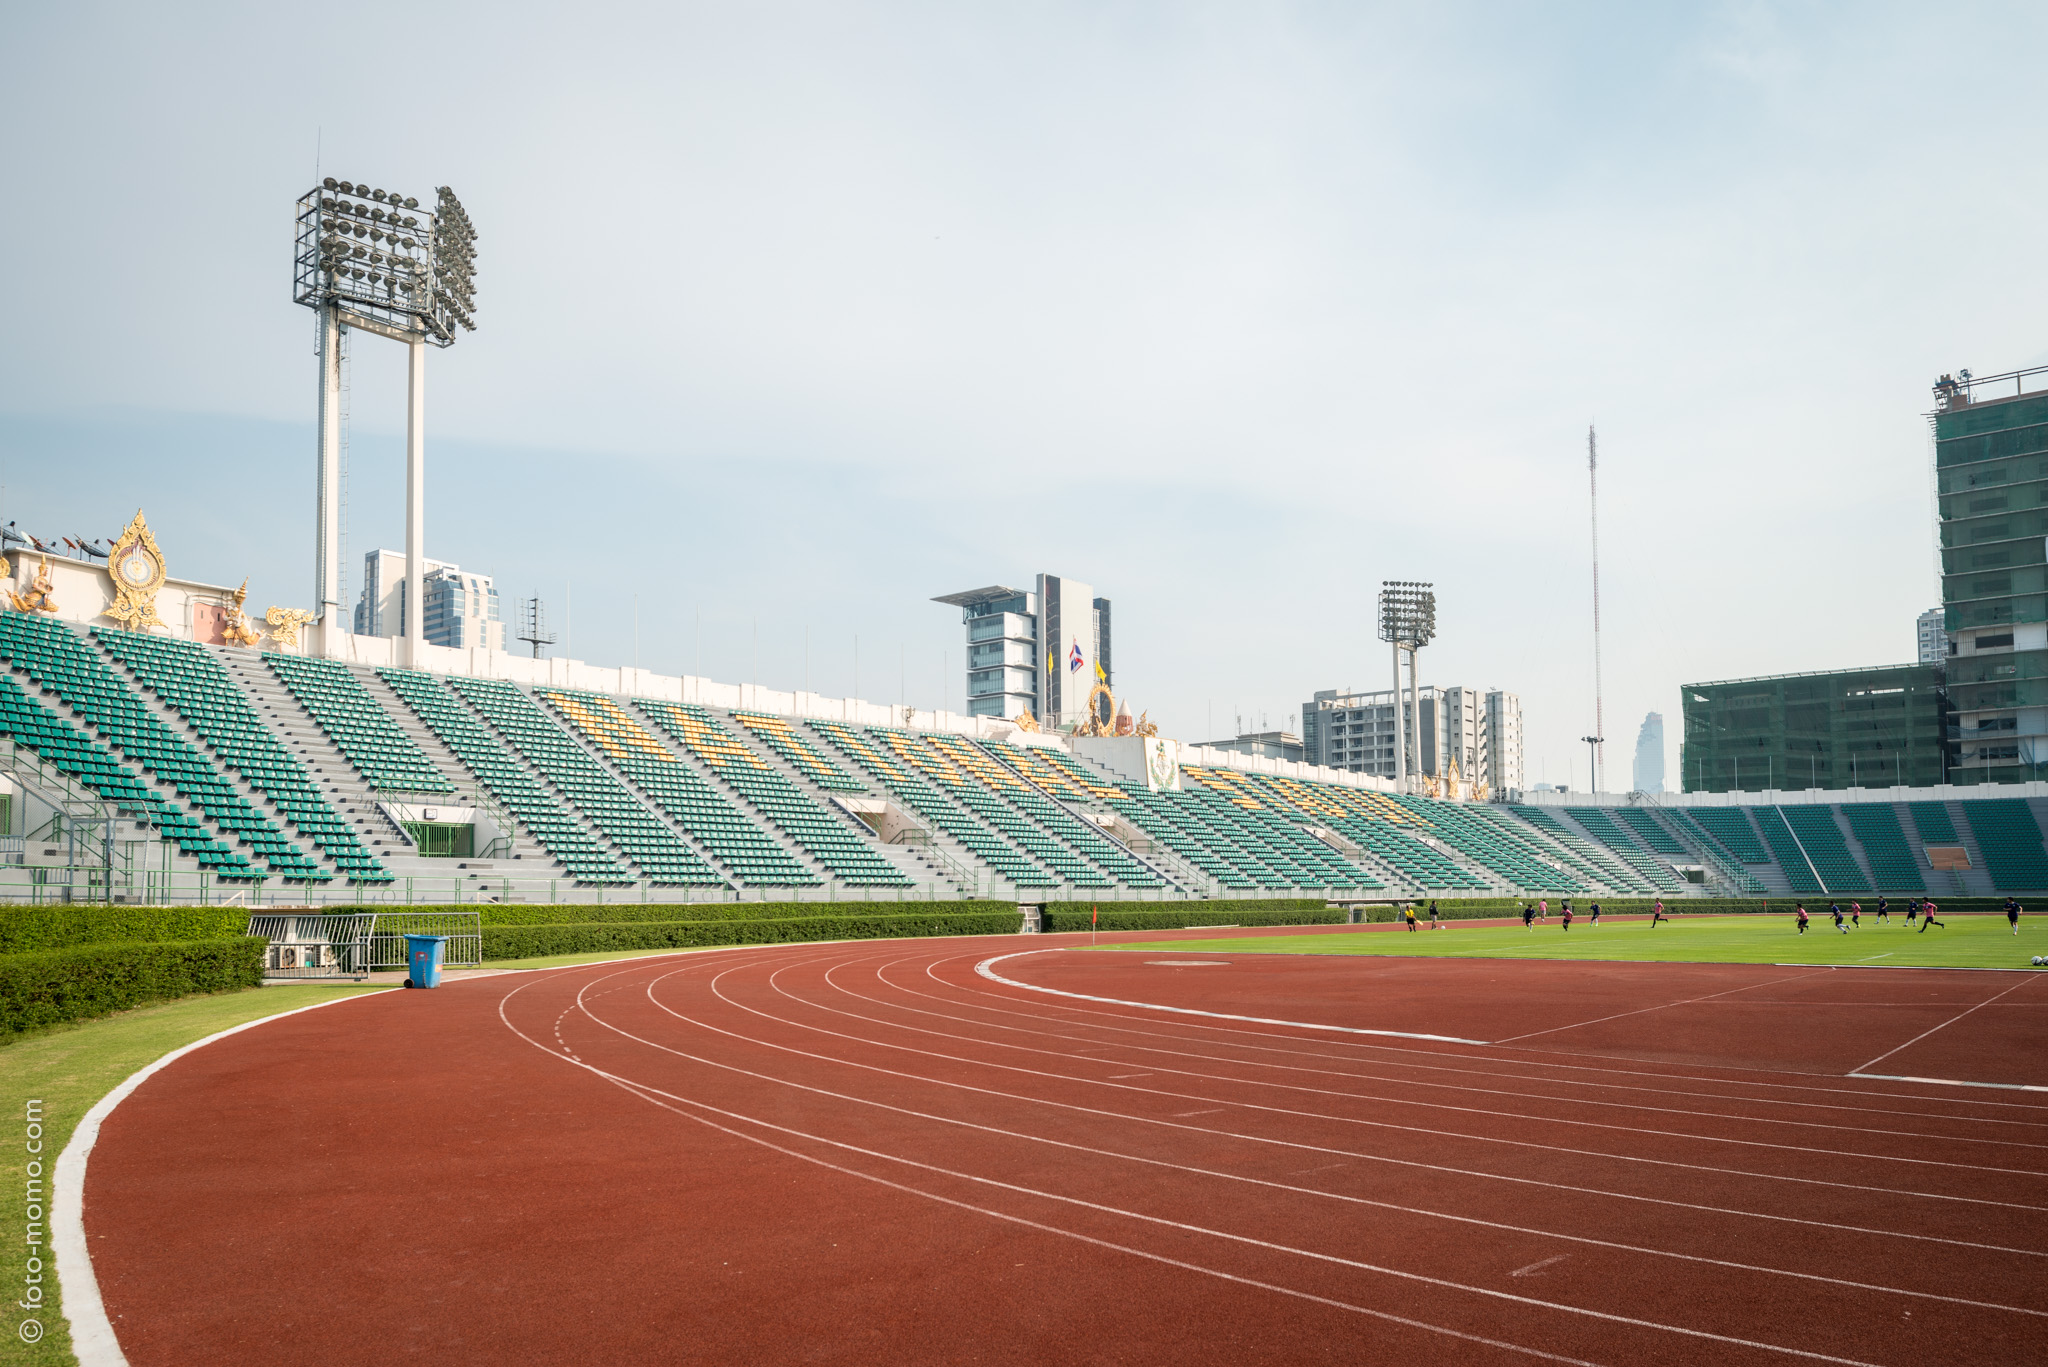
pixel 871 1153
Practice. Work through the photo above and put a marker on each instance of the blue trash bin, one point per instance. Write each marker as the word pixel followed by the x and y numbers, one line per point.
pixel 423 954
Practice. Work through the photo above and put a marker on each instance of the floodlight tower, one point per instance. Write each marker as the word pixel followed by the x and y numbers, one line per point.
pixel 375 261
pixel 1407 622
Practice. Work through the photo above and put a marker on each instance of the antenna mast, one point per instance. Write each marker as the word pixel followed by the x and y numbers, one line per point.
pixel 1599 737
pixel 534 615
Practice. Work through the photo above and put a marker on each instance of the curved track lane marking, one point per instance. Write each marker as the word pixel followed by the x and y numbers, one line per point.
pixel 976 1002
pixel 1372 1097
pixel 989 973
pixel 1100 1152
pixel 1609 1066
pixel 650 1093
pixel 1168 1123
pixel 1468 1110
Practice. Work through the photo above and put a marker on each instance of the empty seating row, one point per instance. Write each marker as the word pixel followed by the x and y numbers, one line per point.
pixel 923 797
pixel 1892 864
pixel 1498 843
pixel 1600 824
pixel 728 836
pixel 659 853
pixel 841 850
pixel 360 728
pixel 1933 822
pixel 1581 854
pixel 950 773
pixel 783 738
pixel 192 681
pixel 1798 872
pixel 1821 839
pixel 53 655
pixel 2010 839
pixel 1038 802
pixel 1731 828
pixel 1650 833
pixel 529 801
pixel 1047 818
pixel 1258 822
pixel 58 743
pixel 1411 858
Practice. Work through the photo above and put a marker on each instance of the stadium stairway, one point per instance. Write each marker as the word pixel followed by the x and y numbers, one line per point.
pixel 951 829
pixel 193 693
pixel 661 853
pixel 350 792
pixel 1602 827
pixel 825 783
pixel 576 855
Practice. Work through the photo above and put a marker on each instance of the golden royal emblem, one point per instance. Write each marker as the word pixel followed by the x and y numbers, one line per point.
pixel 1024 721
pixel 137 567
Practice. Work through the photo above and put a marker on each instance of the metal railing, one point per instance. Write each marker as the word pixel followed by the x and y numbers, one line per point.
pixel 315 945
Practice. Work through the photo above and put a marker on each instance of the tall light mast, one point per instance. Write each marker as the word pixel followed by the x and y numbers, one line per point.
pixel 1598 740
pixel 374 260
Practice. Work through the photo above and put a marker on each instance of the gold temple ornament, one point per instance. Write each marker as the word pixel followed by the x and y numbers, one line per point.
pixel 238 630
pixel 137 569
pixel 37 599
pixel 285 623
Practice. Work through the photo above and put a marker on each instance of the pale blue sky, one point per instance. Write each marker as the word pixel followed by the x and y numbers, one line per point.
pixel 805 314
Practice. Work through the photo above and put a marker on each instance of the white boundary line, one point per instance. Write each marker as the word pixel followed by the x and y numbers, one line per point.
pixel 984 969
pixel 92 1335
pixel 1952 1082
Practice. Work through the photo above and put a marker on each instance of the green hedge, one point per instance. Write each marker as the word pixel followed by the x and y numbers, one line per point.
pixel 27 930
pixel 611 913
pixel 1230 904
pixel 1156 917
pixel 535 941
pixel 71 984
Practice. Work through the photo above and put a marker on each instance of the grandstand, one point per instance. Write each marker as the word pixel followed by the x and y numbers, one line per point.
pixel 206 768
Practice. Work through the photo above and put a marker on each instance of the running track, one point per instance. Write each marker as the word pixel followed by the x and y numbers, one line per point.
pixel 873 1153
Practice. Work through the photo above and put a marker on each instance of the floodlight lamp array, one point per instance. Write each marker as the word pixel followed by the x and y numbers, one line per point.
pixel 1407 612
pixel 377 255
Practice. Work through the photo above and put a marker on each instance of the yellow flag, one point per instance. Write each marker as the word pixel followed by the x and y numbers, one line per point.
pixel 1100 677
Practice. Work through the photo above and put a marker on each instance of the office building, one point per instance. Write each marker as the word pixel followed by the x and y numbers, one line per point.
pixel 1649 767
pixel 1040 650
pixel 461 610
pixel 1991 485
pixel 1468 734
pixel 1933 637
pixel 1870 728
pixel 1264 744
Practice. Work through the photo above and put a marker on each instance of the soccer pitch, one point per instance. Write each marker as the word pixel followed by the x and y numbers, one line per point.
pixel 1967 942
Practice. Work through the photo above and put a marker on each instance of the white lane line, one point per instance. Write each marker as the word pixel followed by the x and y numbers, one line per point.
pixel 1886 955
pixel 1662 1006
pixel 1426 1105
pixel 653 1097
pixel 1365 1096
pixel 987 972
pixel 1432 1167
pixel 649 1093
pixel 1943 1026
pixel 1216 1110
pixel 714 987
pixel 1608 1067
pixel 93 1341
pixel 978 1001
pixel 1954 1082
pixel 1535 1269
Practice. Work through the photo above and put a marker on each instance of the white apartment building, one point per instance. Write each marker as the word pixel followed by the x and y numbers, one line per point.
pixel 461 610
pixel 1477 733
pixel 1933 637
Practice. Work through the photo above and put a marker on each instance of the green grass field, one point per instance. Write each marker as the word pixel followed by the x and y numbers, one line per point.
pixel 1968 942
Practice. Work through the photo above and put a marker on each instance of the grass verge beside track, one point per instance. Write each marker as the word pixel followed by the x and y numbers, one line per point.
pixel 68 1068
pixel 1968 942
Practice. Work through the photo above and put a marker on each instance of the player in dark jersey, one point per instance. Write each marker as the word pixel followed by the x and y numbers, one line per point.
pixel 1529 917
pixel 1596 913
pixel 1884 916
pixel 2012 914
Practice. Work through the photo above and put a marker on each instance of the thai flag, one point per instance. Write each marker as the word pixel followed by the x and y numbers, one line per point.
pixel 1074 660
